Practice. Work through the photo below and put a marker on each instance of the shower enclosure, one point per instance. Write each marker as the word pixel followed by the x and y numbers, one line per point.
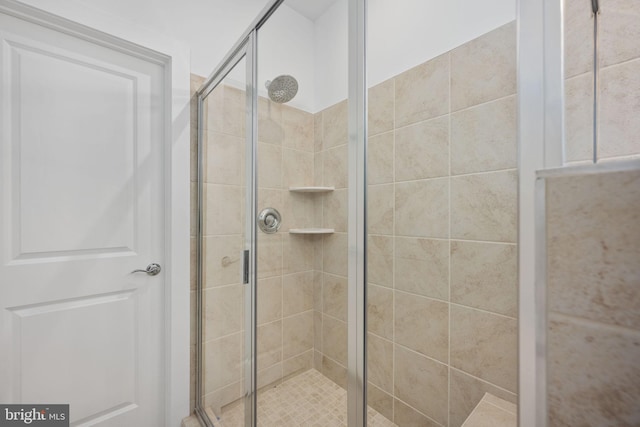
pixel 330 296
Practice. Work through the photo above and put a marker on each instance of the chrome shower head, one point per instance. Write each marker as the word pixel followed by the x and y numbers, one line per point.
pixel 282 89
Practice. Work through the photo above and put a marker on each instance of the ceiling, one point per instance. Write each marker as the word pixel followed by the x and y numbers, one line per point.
pixel 312 9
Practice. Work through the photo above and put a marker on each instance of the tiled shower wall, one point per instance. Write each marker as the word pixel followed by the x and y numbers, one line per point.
pixel 285 276
pixel 593 304
pixel 442 197
pixel 619 79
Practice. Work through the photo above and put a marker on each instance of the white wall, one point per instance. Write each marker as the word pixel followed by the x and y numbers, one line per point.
pixel 402 34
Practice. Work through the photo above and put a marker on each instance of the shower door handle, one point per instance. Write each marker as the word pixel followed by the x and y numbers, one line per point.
pixel 152 269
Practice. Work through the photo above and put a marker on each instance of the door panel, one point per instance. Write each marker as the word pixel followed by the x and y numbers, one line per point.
pixel 81 206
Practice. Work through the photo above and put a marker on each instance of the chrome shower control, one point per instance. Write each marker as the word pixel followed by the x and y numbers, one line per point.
pixel 269 220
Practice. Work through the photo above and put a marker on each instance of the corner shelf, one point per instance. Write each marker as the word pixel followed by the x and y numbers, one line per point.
pixel 311 231
pixel 311 189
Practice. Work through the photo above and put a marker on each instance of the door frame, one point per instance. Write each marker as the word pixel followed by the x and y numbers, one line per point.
pixel 109 31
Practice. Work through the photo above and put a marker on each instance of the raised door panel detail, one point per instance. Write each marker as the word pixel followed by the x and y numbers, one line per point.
pixel 75 149
pixel 91 357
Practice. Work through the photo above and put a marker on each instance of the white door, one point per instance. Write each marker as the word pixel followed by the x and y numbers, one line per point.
pixel 81 207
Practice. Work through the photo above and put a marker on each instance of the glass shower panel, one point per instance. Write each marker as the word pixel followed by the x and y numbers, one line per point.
pixel 222 294
pixel 302 173
pixel 441 202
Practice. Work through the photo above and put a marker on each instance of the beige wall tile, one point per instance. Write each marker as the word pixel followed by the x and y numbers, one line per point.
pixel 335 254
pixel 380 260
pixel 578 37
pixel 268 197
pixel 298 129
pixel 193 264
pixel 298 364
pixel 297 334
pixel 223 211
pixel 223 364
pixel 487 414
pixel 334 300
pixel 223 318
pixel 484 138
pixel 422 383
pixel 485 345
pixel 579 117
pixel 269 255
pixel 422 92
pixel 422 324
pixel 484 206
pixel 297 293
pixel 335 372
pixel 213 110
pixel 317 132
pixel 270 129
pixel 485 276
pixel 335 210
pixel 406 416
pixel 619 31
pixel 193 213
pixel 334 339
pixel 380 311
pixel 334 125
pixel 269 302
pixel 215 249
pixel 466 393
pixel 619 121
pixel 269 165
pixel 380 203
pixel 422 150
pixel 223 396
pixel 335 167
pixel 484 69
pixel 422 208
pixel 297 168
pixel 318 277
pixel 381 108
pixel 270 376
pixel 380 401
pixel 594 247
pixel 380 362
pixel 269 338
pixel 296 209
pixel 298 251
pixel 600 387
pixel 225 159
pixel 422 267
pixel 380 159
pixel 317 331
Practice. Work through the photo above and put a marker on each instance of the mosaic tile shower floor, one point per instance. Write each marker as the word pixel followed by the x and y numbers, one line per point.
pixel 307 400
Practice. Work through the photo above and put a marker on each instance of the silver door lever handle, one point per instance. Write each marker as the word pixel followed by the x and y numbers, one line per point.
pixel 152 269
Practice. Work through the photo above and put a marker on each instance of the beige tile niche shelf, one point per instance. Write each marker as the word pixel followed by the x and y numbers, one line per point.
pixel 311 189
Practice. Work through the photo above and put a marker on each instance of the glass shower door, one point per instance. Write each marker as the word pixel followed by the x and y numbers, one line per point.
pixel 225 342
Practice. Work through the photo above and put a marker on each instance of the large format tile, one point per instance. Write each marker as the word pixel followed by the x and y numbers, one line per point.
pixel 593 247
pixel 335 254
pixel 619 121
pixel 223 210
pixel 380 209
pixel 466 392
pixel 484 206
pixel 405 415
pixel 578 37
pixel 217 250
pixel 485 345
pixel 422 92
pixel 297 293
pixel 422 324
pixel 601 386
pixel 380 362
pixel 380 311
pixel 422 208
pixel 224 159
pixel 334 339
pixel 380 260
pixel 484 69
pixel 334 299
pixel 298 252
pixel 485 276
pixel 297 128
pixel 270 129
pixel 422 267
pixel 269 165
pixel 381 108
pixel 223 362
pixel 380 401
pixel 297 168
pixel 335 210
pixel 579 117
pixel 334 125
pixel 619 31
pixel 223 311
pixel 335 167
pixel 484 138
pixel 269 340
pixel 422 383
pixel 380 159
pixel 297 334
pixel 269 304
pixel 422 150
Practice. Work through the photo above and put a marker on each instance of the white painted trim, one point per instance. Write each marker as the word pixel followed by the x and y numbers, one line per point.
pixel 110 31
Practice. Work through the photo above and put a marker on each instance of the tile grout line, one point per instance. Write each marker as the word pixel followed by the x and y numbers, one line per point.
pixel 449 265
